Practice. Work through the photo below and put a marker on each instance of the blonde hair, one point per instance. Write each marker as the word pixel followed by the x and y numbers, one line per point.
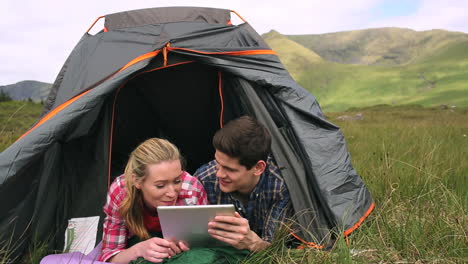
pixel 152 151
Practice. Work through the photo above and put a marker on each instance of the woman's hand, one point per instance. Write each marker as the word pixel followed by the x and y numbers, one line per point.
pixel 154 249
pixel 157 249
pixel 183 245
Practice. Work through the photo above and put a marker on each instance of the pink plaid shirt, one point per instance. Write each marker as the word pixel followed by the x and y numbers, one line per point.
pixel 115 233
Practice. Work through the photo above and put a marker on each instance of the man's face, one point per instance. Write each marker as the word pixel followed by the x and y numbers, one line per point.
pixel 235 177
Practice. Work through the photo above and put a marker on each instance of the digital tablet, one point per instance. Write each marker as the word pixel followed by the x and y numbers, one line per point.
pixel 190 223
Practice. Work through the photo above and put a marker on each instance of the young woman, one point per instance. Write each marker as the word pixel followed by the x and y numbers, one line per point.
pixel 153 177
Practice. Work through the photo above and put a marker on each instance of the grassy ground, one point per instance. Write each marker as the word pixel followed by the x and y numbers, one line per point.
pixel 414 162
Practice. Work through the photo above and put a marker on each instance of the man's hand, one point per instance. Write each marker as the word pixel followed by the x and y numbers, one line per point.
pixel 235 231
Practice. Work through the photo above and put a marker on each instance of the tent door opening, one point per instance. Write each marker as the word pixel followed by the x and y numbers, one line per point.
pixel 181 104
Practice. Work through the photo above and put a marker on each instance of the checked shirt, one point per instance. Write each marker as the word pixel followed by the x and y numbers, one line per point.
pixel 115 233
pixel 269 203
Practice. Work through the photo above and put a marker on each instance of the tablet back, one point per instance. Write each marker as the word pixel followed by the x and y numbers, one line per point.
pixel 190 223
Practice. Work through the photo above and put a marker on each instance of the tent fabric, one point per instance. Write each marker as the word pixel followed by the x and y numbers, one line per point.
pixel 166 15
pixel 177 80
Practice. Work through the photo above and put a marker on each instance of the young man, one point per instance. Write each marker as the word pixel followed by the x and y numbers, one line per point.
pixel 244 174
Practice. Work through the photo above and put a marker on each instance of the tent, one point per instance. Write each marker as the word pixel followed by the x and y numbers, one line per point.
pixel 179 73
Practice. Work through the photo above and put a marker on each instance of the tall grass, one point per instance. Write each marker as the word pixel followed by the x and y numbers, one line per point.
pixel 16 117
pixel 414 161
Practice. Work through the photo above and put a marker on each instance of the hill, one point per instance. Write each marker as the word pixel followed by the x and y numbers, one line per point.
pixel 25 90
pixel 291 53
pixel 380 46
pixel 432 74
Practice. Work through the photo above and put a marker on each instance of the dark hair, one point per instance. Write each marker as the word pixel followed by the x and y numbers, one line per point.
pixel 244 138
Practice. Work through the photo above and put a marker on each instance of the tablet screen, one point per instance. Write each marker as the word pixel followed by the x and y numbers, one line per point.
pixel 190 223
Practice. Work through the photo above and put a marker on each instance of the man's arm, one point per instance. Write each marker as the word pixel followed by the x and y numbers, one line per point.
pixel 235 231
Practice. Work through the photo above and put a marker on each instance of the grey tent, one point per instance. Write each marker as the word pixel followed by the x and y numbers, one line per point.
pixel 177 73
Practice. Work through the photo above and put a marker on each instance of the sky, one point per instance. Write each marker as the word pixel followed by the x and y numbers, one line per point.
pixel 36 37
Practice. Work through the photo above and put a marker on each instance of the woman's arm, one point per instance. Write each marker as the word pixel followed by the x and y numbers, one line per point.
pixel 114 238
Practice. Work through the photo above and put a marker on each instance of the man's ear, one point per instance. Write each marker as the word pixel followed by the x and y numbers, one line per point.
pixel 136 181
pixel 259 167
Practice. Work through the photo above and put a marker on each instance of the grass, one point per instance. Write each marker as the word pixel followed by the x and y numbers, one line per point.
pixel 16 117
pixel 414 162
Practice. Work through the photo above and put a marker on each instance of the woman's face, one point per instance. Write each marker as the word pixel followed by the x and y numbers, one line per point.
pixel 162 184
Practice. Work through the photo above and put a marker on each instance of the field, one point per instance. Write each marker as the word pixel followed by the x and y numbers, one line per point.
pixel 414 162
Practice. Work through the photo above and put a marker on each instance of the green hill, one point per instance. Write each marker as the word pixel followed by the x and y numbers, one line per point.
pixel 435 73
pixel 381 46
pixel 291 53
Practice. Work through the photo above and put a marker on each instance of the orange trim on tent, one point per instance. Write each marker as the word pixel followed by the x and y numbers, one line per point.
pixel 347 232
pixel 165 51
pixel 106 30
pixel 171 65
pixel 239 16
pixel 140 58
pixel 220 89
pixel 306 244
pixel 94 23
pixel 67 103
pixel 232 53
pixel 54 112
pixel 229 23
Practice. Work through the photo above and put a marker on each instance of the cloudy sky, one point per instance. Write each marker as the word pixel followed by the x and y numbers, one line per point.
pixel 37 36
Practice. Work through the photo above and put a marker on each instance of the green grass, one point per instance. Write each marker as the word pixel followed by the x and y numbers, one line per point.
pixel 16 118
pixel 414 162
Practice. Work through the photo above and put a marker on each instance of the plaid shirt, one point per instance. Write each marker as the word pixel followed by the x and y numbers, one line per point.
pixel 269 203
pixel 115 233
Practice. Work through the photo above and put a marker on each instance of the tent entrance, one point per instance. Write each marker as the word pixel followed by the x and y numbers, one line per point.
pixel 181 104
